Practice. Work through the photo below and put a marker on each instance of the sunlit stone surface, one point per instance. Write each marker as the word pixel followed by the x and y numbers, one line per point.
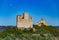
pixel 24 21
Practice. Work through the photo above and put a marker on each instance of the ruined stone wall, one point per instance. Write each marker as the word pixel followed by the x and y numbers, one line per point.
pixel 42 21
pixel 24 22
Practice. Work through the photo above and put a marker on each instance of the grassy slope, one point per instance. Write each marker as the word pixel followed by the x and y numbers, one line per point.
pixel 14 33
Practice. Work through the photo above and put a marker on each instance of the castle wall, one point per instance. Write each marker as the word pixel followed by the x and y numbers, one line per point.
pixel 24 22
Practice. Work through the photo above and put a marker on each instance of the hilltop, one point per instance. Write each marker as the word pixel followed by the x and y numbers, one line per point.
pixel 36 33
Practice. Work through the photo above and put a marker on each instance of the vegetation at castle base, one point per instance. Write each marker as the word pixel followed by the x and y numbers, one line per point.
pixel 15 33
pixel 48 29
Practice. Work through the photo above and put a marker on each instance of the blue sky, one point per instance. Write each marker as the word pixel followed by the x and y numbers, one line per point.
pixel 37 9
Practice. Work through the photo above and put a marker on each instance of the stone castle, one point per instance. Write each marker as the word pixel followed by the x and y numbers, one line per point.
pixel 24 21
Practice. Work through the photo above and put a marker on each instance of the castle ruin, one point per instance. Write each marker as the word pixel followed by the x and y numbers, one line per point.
pixel 42 21
pixel 24 21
